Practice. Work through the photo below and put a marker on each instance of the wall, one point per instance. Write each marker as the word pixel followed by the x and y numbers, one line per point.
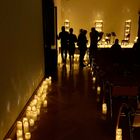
pixel 21 57
pixel 82 14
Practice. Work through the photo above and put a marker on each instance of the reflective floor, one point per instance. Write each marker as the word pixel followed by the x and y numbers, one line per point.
pixel 73 112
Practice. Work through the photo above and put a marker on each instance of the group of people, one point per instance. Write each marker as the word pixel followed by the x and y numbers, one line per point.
pixel 69 39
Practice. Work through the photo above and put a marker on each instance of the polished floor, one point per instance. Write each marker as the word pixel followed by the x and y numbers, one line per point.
pixel 74 109
pixel 73 112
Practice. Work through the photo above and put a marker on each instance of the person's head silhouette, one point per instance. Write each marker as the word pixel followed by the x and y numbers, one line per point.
pixel 63 28
pixel 71 30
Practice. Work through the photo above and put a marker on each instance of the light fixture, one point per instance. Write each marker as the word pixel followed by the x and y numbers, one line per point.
pixel 98 90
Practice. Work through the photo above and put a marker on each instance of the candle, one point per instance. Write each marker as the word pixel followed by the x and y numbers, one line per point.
pixel 31 122
pixel 26 127
pixel 28 114
pixel 98 90
pixel 27 136
pixel 34 115
pixel 20 138
pixel 118 134
pixel 45 103
pixel 19 133
pixel 19 125
pixel 28 108
pixel 94 79
pixel 24 119
pixel 104 108
pixel 33 108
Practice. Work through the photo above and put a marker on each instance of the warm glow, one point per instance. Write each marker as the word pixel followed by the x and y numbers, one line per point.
pixel 98 90
pixel 19 125
pixel 118 134
pixel 104 108
pixel 27 136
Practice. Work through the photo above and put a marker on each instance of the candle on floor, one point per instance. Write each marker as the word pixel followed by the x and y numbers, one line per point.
pixel 28 114
pixel 45 103
pixel 94 79
pixel 20 138
pixel 31 122
pixel 19 125
pixel 104 108
pixel 98 90
pixel 118 134
pixel 27 136
pixel 26 127
pixel 19 133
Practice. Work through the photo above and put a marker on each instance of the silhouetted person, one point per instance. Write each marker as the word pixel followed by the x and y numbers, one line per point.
pixel 136 48
pixel 95 37
pixel 64 37
pixel 116 51
pixel 82 45
pixel 72 41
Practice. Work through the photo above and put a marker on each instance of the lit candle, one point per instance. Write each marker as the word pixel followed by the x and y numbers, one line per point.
pixel 31 122
pixel 24 119
pixel 33 108
pixel 94 79
pixel 28 114
pixel 98 90
pixel 27 136
pixel 19 125
pixel 28 108
pixel 118 134
pixel 8 139
pixel 104 108
pixel 19 133
pixel 26 127
pixel 45 103
pixel 20 138
pixel 34 115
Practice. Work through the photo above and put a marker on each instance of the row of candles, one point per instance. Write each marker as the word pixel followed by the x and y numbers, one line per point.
pixel 32 111
pixel 104 107
pixel 98 90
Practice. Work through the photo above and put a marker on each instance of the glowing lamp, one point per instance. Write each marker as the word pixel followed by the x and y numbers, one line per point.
pixel 45 103
pixel 104 108
pixel 27 136
pixel 19 125
pixel 31 122
pixel 19 133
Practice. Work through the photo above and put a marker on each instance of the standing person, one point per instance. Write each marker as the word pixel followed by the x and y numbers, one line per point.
pixel 82 45
pixel 72 41
pixel 64 37
pixel 95 37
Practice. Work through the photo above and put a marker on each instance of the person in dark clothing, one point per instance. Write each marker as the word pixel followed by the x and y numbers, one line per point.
pixel 64 38
pixel 95 37
pixel 116 51
pixel 82 45
pixel 72 41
